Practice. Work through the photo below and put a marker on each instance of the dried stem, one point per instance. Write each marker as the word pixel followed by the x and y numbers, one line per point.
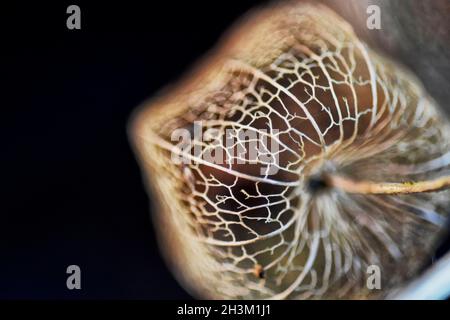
pixel 369 187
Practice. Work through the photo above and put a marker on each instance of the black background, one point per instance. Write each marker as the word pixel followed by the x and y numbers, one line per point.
pixel 72 191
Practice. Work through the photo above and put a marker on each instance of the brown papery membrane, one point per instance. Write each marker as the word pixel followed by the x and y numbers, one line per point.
pixel 318 102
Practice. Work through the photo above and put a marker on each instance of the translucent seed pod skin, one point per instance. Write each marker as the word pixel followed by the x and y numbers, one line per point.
pixel 298 74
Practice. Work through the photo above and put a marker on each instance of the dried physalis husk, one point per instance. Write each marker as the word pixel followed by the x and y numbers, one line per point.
pixel 337 199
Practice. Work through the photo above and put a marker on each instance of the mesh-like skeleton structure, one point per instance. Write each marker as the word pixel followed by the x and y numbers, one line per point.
pixel 298 77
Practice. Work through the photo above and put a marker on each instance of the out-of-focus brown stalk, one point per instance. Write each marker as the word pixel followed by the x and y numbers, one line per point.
pixel 368 187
